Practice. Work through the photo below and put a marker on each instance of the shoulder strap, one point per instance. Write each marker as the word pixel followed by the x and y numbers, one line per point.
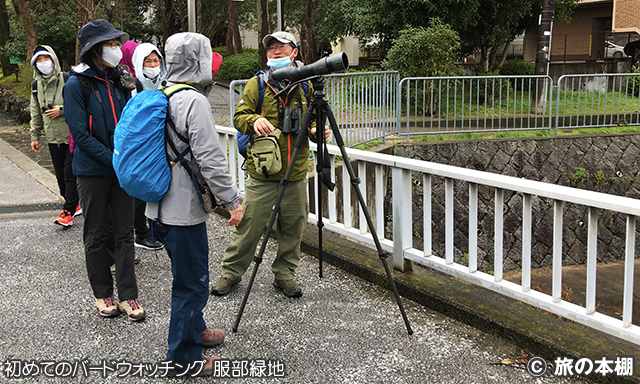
pixel 65 76
pixel 34 90
pixel 305 88
pixel 261 90
pixel 168 92
pixel 86 90
pixel 138 85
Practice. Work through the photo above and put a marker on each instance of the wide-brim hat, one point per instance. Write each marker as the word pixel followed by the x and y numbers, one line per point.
pixel 281 36
pixel 97 31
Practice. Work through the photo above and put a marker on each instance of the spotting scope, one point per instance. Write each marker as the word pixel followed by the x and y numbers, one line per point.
pixel 324 66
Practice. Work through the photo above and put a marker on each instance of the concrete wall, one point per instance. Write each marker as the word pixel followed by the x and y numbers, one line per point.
pixel 611 167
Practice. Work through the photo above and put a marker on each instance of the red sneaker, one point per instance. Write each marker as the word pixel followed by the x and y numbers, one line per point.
pixel 78 211
pixel 65 219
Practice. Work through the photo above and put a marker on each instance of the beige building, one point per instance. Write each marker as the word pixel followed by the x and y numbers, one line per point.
pixel 598 30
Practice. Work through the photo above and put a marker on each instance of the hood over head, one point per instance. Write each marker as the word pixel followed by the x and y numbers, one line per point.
pixel 127 53
pixel 188 57
pixel 142 51
pixel 45 50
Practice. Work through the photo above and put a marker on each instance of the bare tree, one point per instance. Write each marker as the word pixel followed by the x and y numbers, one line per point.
pixel 167 11
pixel 263 30
pixel 27 23
pixel 114 10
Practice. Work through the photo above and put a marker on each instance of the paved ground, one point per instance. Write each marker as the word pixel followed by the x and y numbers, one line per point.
pixel 343 330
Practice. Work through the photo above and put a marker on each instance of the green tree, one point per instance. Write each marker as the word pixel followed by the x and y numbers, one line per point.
pixel 422 52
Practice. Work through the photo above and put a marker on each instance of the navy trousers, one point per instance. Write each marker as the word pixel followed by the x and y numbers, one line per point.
pixel 188 249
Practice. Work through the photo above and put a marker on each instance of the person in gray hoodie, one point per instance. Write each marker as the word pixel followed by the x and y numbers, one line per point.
pixel 180 218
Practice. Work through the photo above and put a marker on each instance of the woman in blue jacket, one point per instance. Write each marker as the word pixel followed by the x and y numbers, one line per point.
pixel 94 99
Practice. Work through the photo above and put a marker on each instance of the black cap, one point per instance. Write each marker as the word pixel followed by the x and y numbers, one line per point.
pixel 97 31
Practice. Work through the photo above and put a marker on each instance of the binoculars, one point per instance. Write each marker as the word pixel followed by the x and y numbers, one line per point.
pixel 44 109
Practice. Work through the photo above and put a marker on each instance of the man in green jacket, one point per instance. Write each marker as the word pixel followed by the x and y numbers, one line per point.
pixel 261 190
pixel 47 119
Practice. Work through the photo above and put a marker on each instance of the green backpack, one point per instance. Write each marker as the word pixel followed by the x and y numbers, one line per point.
pixel 266 153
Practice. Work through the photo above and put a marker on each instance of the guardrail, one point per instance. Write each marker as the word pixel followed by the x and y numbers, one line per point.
pixel 428 105
pixel 597 100
pixel 404 175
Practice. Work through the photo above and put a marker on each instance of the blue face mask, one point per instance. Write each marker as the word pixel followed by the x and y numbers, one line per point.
pixel 279 63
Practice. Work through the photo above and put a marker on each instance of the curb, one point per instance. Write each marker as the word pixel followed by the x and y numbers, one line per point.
pixel 32 168
pixel 540 333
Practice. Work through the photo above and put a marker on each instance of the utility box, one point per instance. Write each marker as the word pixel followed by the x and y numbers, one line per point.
pixel 351 46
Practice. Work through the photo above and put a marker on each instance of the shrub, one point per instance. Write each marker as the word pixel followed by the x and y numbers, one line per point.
pixel 242 66
pixel 422 52
pixel 518 67
pixel 633 83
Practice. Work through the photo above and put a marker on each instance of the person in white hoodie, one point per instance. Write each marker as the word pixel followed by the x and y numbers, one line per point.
pixel 149 67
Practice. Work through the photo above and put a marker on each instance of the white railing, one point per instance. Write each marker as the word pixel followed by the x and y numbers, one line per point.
pixel 401 242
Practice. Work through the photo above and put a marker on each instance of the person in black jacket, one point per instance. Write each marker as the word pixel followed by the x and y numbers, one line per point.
pixel 94 99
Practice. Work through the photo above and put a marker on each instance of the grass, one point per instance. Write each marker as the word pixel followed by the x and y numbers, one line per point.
pixel 22 87
pixel 524 134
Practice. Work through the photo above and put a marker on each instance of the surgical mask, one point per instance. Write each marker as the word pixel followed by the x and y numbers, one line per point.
pixel 151 72
pixel 111 56
pixel 45 67
pixel 279 63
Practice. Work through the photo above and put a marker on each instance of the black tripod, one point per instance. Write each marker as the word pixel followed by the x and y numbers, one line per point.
pixel 323 170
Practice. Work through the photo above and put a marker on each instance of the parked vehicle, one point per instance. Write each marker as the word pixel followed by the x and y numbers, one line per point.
pixel 633 49
pixel 612 50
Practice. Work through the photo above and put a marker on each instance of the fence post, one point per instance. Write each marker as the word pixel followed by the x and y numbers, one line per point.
pixel 402 218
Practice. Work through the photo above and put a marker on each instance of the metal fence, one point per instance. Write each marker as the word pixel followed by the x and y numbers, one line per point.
pixel 428 105
pixel 374 105
pixel 597 100
pixel 364 103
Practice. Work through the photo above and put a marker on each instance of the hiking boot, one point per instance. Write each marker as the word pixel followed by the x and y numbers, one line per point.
pixel 136 259
pixel 224 285
pixel 289 287
pixel 132 308
pixel 211 337
pixel 107 307
pixel 78 211
pixel 65 219
pixel 113 269
pixel 147 243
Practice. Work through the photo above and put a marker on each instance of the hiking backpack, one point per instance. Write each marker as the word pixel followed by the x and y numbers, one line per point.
pixel 243 139
pixel 140 159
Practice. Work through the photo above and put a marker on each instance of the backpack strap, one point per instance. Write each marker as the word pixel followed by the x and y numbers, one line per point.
pixel 34 90
pixel 261 89
pixel 139 87
pixel 65 76
pixel 87 84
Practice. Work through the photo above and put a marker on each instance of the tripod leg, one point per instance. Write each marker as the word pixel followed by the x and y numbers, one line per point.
pixel 320 121
pixel 276 209
pixel 355 182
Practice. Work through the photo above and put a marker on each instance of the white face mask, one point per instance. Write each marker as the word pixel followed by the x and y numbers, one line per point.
pixel 151 72
pixel 45 67
pixel 111 56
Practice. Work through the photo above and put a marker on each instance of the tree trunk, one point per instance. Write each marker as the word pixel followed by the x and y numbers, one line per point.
pixel 543 54
pixel 484 62
pixel 199 16
pixel 311 55
pixel 5 35
pixel 496 67
pixel 183 17
pixel 263 30
pixel 29 29
pixel 165 7
pixel 115 12
pixel 86 13
pixel 233 33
